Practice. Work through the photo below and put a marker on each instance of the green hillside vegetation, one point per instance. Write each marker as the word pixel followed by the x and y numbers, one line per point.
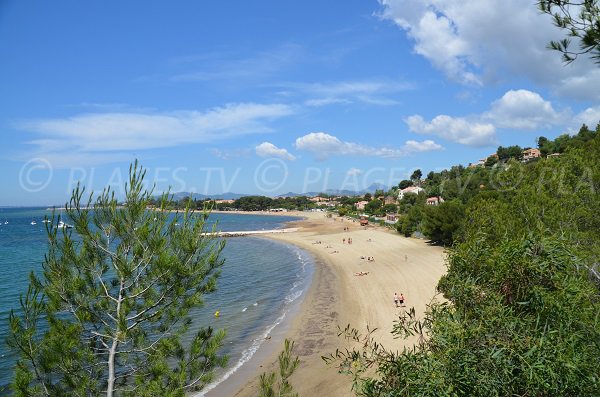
pixel 459 186
pixel 521 309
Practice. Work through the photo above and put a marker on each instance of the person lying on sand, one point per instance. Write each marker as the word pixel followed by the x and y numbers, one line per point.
pixel 335 252
pixel 361 273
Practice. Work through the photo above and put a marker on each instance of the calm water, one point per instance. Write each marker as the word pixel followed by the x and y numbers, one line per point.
pixel 259 282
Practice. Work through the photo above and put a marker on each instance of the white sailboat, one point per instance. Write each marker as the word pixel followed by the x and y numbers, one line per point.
pixel 63 225
pixel 33 222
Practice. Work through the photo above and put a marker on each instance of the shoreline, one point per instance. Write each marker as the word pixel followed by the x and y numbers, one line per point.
pixel 336 297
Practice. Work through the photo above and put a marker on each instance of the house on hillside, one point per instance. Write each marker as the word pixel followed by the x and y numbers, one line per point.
pixel 389 200
pixel 530 154
pixel 361 205
pixel 437 200
pixel 553 155
pixel 391 218
pixel 410 189
pixel 479 163
pixel 224 201
pixel 317 199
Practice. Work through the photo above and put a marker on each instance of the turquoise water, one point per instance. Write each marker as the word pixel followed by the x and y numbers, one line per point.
pixel 259 282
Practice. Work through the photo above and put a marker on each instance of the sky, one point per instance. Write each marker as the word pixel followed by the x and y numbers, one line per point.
pixel 267 97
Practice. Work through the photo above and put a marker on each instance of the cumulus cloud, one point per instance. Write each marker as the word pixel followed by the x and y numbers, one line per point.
pixel 455 129
pixel 323 145
pixel 476 41
pixel 523 109
pixel 267 149
pixel 119 132
pixel 589 117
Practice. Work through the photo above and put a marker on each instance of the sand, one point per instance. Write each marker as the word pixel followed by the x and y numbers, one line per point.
pixel 337 297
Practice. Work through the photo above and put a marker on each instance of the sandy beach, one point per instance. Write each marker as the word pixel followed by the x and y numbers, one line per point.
pixel 337 297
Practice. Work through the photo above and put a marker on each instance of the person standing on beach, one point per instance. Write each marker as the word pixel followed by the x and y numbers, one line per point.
pixel 401 299
pixel 396 299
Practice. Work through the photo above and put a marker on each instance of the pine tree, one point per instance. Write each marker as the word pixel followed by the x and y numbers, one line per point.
pixel 110 314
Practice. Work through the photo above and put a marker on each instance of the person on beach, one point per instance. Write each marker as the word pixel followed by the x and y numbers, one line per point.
pixel 401 300
pixel 344 240
pixel 396 299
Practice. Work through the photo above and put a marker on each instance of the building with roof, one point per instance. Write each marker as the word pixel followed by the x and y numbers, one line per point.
pixel 410 189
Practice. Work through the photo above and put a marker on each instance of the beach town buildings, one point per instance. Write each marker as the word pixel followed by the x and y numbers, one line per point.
pixel 224 201
pixel 530 154
pixel 437 200
pixel 410 189
pixel 361 205
pixel 390 200
pixel 391 218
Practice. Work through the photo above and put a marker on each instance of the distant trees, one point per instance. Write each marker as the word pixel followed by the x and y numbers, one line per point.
pixel 441 222
pixel 405 183
pixel 581 20
pixel 409 223
pixel 416 176
pixel 373 206
pixel 491 161
pixel 511 152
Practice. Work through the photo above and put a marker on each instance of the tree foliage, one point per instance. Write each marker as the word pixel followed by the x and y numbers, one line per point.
pixel 581 20
pixel 521 314
pixel 278 385
pixel 110 314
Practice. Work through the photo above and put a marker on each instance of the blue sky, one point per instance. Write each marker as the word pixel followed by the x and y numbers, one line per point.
pixel 268 97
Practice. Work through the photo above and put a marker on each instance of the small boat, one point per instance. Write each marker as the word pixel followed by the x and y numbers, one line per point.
pixel 6 222
pixel 33 222
pixel 62 225
pixel 46 221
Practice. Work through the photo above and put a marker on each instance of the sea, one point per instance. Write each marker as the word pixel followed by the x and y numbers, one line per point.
pixel 261 282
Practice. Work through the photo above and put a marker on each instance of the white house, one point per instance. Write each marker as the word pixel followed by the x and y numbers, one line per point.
pixel 410 189
pixel 361 205
pixel 434 200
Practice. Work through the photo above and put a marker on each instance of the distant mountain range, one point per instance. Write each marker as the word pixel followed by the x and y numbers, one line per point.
pixel 234 196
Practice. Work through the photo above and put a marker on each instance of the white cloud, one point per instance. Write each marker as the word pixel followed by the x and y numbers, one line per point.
pixel 425 146
pixel 589 117
pixel 323 145
pixel 523 109
pixel 373 92
pixel 267 149
pixel 231 67
pixel 459 130
pixel 478 41
pixel 354 172
pixel 118 132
